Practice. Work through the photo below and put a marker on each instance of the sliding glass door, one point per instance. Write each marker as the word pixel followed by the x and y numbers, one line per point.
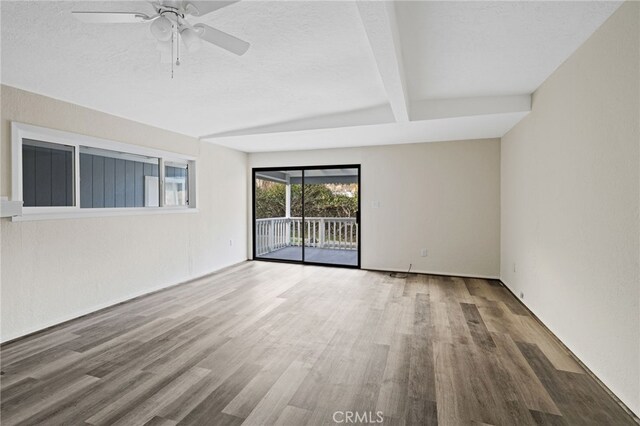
pixel 278 214
pixel 307 215
pixel 331 216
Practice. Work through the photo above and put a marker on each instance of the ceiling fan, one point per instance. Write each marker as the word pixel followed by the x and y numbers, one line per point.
pixel 169 25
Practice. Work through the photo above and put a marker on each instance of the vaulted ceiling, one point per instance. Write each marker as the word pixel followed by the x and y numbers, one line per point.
pixel 318 74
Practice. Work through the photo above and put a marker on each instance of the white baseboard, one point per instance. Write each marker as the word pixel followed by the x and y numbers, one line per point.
pixel 447 273
pixel 89 310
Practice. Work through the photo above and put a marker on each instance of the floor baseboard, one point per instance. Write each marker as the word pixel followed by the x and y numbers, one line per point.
pixel 439 274
pixel 104 308
pixel 574 356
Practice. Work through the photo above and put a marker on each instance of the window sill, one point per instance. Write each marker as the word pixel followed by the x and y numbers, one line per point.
pixel 53 213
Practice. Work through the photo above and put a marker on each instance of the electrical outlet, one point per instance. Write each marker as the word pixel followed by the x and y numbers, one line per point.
pixel 423 252
pixel 375 204
pixel 514 267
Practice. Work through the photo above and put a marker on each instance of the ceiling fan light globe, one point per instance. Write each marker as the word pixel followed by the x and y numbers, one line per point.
pixel 161 28
pixel 191 39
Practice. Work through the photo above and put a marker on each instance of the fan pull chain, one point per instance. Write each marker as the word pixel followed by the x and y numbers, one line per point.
pixel 175 42
pixel 177 47
pixel 172 34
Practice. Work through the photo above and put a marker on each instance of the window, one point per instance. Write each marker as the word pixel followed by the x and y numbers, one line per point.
pixel 60 174
pixel 176 184
pixel 47 174
pixel 115 179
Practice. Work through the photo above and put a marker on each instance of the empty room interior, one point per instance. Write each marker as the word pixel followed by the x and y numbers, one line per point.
pixel 320 212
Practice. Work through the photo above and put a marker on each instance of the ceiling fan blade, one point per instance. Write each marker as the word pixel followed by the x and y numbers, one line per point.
pixel 200 8
pixel 222 39
pixel 111 17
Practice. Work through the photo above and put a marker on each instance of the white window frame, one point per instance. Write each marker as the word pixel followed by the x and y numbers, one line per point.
pixel 20 131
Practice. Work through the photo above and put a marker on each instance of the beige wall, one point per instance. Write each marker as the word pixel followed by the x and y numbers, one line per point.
pixel 444 197
pixel 55 270
pixel 570 204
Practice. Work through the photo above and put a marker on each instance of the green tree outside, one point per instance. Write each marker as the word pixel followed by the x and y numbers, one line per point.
pixel 320 200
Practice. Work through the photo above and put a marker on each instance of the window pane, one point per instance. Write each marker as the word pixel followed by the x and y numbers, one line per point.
pixel 176 185
pixel 47 174
pixel 117 179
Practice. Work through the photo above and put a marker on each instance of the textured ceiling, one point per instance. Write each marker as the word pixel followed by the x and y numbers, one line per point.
pixel 457 49
pixel 313 67
pixel 306 59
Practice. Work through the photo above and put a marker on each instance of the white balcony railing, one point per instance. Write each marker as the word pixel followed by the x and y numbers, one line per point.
pixel 338 233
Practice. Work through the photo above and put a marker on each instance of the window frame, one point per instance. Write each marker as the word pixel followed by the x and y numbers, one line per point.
pixel 44 144
pixel 179 164
pixel 20 131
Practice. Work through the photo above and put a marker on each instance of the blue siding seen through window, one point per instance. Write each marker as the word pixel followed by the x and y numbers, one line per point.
pixel 106 181
pixel 47 174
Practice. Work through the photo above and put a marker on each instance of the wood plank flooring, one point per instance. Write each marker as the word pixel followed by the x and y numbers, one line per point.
pixel 266 343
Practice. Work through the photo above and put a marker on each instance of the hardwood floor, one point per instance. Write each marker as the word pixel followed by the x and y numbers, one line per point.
pixel 265 343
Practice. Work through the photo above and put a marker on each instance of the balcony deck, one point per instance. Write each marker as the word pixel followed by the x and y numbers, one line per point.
pixel 328 240
pixel 314 254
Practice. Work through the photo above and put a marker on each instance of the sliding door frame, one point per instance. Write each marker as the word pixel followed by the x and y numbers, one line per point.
pixel 256 170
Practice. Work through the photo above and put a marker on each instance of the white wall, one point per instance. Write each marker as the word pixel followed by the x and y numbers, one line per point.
pixel 442 196
pixel 570 204
pixel 55 270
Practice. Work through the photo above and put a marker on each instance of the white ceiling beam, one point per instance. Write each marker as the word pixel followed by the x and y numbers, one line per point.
pixel 379 20
pixel 466 107
pixel 445 129
pixel 424 110
pixel 374 115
